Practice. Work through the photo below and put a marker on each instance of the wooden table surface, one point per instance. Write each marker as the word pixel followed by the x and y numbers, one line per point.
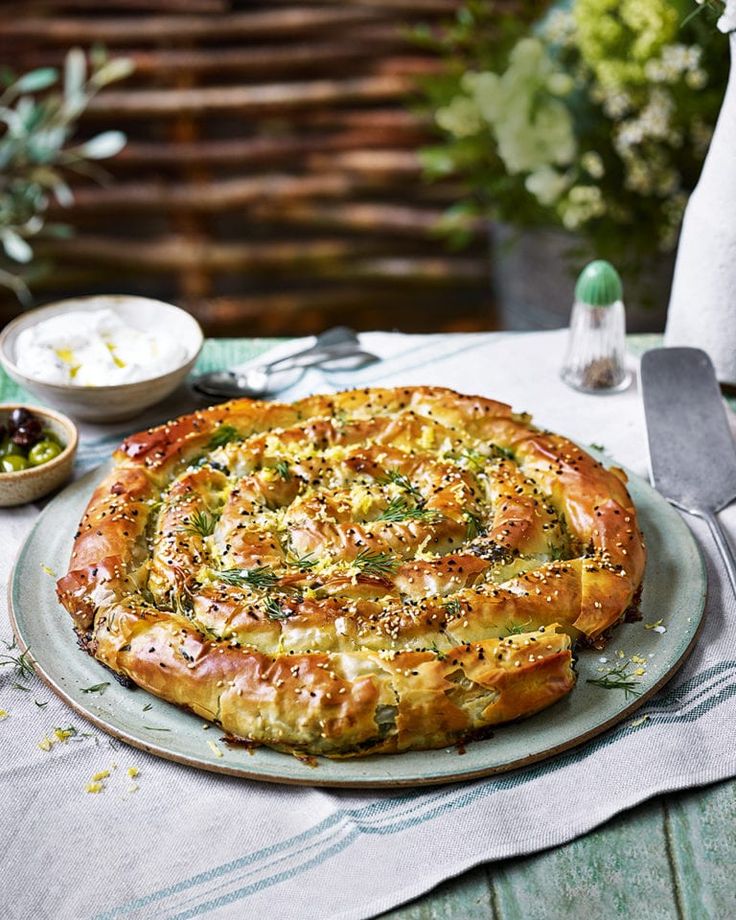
pixel 673 858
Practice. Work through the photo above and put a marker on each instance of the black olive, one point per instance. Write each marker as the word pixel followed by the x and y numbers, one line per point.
pixel 27 435
pixel 20 418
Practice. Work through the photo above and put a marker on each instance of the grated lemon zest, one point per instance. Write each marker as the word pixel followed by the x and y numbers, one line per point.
pixel 215 749
pixel 64 734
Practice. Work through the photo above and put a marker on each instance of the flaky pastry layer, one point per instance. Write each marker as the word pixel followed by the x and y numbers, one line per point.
pixel 374 571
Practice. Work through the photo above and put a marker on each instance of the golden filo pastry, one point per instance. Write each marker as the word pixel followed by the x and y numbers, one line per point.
pixel 373 571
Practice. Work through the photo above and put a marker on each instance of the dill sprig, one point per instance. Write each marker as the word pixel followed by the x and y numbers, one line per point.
pixel 438 652
pixel 516 629
pixel 400 509
pixel 377 564
pixel 618 678
pixel 502 453
pixel 96 688
pixel 274 610
pixel 22 664
pixel 259 577
pixel 202 523
pixel 399 479
pixel 283 469
pixel 453 608
pixel 475 460
pixel 303 563
pixel 474 526
pixel 222 436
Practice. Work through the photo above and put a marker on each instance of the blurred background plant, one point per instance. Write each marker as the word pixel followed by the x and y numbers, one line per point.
pixel 37 154
pixel 592 117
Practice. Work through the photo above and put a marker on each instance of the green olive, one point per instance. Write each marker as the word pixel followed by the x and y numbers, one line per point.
pixel 43 452
pixel 13 463
pixel 49 435
pixel 7 447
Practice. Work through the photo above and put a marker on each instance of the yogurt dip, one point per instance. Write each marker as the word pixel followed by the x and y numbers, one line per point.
pixel 94 349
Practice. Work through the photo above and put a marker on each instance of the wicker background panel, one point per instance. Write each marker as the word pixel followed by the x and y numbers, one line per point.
pixel 271 182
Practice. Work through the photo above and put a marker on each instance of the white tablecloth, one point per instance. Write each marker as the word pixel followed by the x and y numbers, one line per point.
pixel 190 844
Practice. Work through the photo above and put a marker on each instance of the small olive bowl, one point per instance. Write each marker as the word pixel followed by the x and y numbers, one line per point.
pixel 29 485
pixel 118 401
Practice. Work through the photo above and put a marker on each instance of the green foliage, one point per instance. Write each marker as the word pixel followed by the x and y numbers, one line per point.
pixel 36 156
pixel 593 116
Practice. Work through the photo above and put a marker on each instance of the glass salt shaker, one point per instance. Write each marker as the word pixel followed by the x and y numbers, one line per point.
pixel 594 362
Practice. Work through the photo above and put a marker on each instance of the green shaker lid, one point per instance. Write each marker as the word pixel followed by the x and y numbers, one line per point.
pixel 599 284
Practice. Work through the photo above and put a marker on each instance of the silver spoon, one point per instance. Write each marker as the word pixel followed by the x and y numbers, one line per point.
pixel 335 346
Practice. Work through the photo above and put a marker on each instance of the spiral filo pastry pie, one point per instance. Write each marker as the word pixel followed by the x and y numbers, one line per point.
pixel 374 571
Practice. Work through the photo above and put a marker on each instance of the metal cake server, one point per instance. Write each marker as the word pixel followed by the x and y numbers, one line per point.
pixel 692 454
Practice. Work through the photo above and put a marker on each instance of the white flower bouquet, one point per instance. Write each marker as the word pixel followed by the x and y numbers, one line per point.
pixel 593 116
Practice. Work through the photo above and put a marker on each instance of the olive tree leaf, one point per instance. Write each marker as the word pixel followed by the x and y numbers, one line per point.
pixel 16 248
pixel 34 81
pixel 75 74
pixel 103 145
pixel 63 193
pixel 116 69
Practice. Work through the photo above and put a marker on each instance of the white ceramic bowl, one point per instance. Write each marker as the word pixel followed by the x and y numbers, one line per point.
pixel 37 481
pixel 120 401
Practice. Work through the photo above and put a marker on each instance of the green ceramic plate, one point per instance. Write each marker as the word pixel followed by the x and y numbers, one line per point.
pixel 674 592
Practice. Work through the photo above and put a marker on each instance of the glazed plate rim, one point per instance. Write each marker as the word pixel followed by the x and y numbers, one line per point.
pixel 179 737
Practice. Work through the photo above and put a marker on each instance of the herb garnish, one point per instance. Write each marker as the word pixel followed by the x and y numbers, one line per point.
pixel 402 481
pixel 516 629
pixel 22 665
pixel 202 523
pixel 399 509
pixel 274 610
pixel 259 577
pixel 475 460
pixel 222 436
pixel 97 688
pixel 453 607
pixel 303 563
pixel 618 678
pixel 378 564
pixel 502 452
pixel 283 469
pixel 473 525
